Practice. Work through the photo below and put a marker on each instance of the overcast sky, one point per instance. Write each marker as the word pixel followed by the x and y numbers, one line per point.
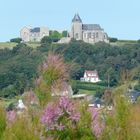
pixel 119 18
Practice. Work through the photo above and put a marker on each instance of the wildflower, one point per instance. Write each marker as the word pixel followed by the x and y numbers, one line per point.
pixel 75 116
pixel 97 126
pixel 56 114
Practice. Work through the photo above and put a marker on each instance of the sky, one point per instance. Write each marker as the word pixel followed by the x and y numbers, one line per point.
pixel 119 18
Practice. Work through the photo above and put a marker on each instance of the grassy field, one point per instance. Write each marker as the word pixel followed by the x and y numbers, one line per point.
pixel 9 45
pixel 124 42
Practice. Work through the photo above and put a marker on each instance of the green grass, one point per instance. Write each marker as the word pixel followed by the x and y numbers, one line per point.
pixel 82 91
pixel 124 42
pixel 33 44
pixel 9 45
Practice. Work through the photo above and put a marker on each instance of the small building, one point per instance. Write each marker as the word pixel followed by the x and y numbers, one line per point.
pixel 33 34
pixel 90 76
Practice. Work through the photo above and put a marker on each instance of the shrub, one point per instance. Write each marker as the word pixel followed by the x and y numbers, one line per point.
pixel 16 40
pixel 111 39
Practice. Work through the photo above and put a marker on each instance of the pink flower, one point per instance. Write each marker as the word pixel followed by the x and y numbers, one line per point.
pixel 66 104
pixel 75 116
pixel 60 127
pixel 55 114
pixel 97 126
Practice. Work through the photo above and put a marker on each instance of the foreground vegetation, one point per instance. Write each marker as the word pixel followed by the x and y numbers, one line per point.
pixel 61 118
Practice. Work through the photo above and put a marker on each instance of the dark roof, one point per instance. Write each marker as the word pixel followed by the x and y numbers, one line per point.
pixel 76 18
pixel 91 27
pixel 133 94
pixel 35 30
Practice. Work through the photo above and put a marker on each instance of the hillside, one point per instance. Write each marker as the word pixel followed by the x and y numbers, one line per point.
pixel 19 66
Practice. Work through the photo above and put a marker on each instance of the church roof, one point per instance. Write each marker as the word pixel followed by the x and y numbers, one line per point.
pixel 91 27
pixel 35 30
pixel 76 18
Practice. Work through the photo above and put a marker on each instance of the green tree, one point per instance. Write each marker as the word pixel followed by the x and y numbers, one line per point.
pixel 65 34
pixel 16 40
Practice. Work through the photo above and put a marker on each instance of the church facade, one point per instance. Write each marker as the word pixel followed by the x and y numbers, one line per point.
pixel 90 33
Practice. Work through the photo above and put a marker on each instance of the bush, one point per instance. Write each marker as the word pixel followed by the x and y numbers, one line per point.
pixel 16 40
pixel 111 39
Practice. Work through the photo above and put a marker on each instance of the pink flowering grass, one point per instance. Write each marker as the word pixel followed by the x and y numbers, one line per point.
pixel 56 115
pixel 96 124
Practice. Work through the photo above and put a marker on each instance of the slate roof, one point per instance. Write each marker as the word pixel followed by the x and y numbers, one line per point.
pixel 35 30
pixel 91 27
pixel 76 18
pixel 133 95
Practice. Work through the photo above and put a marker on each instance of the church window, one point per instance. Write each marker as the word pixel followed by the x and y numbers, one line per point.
pixel 97 35
pixel 93 35
pixel 89 35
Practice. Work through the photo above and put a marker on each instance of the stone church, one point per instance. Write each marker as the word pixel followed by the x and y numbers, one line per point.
pixel 90 33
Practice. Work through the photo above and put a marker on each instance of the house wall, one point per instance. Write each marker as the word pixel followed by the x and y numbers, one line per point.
pixel 27 35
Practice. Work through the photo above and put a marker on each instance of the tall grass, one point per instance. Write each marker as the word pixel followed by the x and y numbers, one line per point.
pixel 2 121
pixel 22 129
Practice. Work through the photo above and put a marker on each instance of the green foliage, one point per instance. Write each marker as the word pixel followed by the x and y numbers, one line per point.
pixel 16 40
pixel 65 34
pixel 112 39
pixel 46 40
pixel 18 67
pixel 55 35
pixel 2 121
pixel 89 86
pixel 117 124
pixel 108 60
pixel 138 41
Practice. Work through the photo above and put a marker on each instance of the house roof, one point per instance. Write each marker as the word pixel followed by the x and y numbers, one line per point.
pixel 91 27
pixel 91 73
pixel 35 30
pixel 76 18
pixel 133 94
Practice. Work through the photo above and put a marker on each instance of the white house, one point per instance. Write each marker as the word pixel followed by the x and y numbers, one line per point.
pixel 90 76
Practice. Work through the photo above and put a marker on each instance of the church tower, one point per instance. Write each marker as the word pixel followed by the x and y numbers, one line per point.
pixel 76 31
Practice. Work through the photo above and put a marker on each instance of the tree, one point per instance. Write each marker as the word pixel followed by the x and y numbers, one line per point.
pixel 16 40
pixel 65 34
pixel 46 40
pixel 112 39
